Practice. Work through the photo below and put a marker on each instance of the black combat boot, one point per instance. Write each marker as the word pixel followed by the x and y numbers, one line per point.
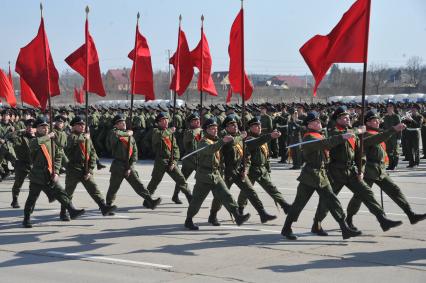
pixel 99 165
pixel 63 214
pixel 74 213
pixel 346 231
pixel 106 209
pixel 240 218
pixel 317 229
pixel 287 232
pixel 15 203
pixel 285 206
pixel 190 225
pixel 386 223
pixel 27 222
pixel 265 217
pixel 151 203
pixel 414 218
pixel 350 223
pixel 213 219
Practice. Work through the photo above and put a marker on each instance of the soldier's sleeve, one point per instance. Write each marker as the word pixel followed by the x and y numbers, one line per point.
pixel 134 156
pixel 57 160
pixel 210 149
pixel 92 157
pixel 176 152
pixel 14 137
pixel 328 143
pixel 381 137
pixel 251 145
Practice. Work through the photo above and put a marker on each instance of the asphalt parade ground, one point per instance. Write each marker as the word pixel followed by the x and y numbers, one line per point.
pixel 142 245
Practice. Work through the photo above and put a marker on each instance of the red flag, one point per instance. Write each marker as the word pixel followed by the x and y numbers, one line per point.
pixel 78 95
pixel 182 62
pixel 27 95
pixel 229 96
pixel 236 59
pixel 42 78
pixel 6 89
pixel 346 43
pixel 77 61
pixel 144 78
pixel 203 61
pixel 11 79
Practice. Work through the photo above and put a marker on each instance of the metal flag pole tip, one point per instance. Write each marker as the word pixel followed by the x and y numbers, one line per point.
pixel 138 15
pixel 202 17
pixel 87 9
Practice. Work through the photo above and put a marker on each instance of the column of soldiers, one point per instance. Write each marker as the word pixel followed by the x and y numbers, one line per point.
pixel 166 135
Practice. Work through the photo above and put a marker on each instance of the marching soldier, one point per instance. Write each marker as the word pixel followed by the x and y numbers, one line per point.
pixel 281 125
pixel 61 140
pixel 260 168
pixel 294 136
pixel 342 171
pixel 267 127
pixel 21 140
pixel 166 157
pixel 124 153
pixel 390 120
pixel 79 150
pixel 235 173
pixel 6 149
pixel 208 177
pixel 313 177
pixel 375 172
pixel 191 138
pixel 42 177
pixel 412 135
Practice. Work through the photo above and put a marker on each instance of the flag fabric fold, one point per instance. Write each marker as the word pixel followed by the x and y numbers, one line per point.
pixel 78 62
pixel 6 89
pixel 32 68
pixel 202 59
pixel 144 78
pixel 27 95
pixel 346 43
pixel 78 95
pixel 182 63
pixel 236 59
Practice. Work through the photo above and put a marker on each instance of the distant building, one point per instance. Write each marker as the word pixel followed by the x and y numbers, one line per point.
pixel 118 80
pixel 288 82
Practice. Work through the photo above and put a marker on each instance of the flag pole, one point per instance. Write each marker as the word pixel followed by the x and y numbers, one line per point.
pixel 201 65
pixel 132 93
pixel 364 84
pixel 243 112
pixel 174 93
pixel 86 35
pixel 52 143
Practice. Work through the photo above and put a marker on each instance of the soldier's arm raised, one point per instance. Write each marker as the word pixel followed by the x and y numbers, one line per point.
pixel 328 143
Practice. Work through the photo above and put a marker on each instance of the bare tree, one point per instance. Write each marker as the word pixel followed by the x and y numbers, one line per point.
pixel 377 77
pixel 414 70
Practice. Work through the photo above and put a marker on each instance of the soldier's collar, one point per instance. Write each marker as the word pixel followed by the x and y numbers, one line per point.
pixel 341 128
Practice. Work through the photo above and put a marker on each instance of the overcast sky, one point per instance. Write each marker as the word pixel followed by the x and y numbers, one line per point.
pixel 274 29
